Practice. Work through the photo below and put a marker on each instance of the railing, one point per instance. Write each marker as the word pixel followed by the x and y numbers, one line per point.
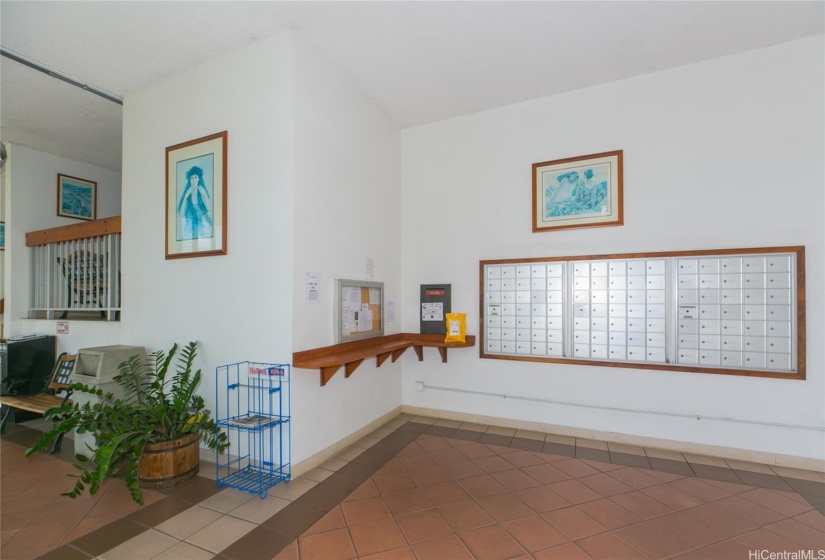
pixel 76 269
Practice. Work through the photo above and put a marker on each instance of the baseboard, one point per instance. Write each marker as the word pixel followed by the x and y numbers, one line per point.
pixel 762 457
pixel 310 463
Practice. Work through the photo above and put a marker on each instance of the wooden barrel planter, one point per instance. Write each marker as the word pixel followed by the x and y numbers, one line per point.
pixel 169 463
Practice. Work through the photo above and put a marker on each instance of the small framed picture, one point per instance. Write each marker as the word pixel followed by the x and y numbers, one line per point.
pixel 196 197
pixel 578 192
pixel 2 236
pixel 76 198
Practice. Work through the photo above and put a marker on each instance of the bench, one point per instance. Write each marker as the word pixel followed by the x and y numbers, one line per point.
pixel 46 399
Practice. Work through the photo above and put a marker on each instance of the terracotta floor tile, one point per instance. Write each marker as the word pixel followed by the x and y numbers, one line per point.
pixel 700 488
pixel 412 448
pixel 523 459
pixel 534 533
pixel 605 484
pixel 460 470
pixel 445 548
pixel 332 545
pixel 428 442
pixel 391 466
pixel 404 553
pixel 652 541
pixel 372 538
pixel 762 539
pixel 609 546
pixel 393 482
pixel 546 473
pixel 776 502
pixel 87 525
pixel 687 530
pixel 799 533
pixel 642 505
pixel 38 538
pixel 726 550
pixel 493 464
pixel 812 519
pixel 482 486
pixel 635 478
pixel 504 507
pixel 574 491
pixel 465 516
pixel 491 543
pixel 447 493
pixel 448 455
pixel 289 553
pixel 365 511
pixel 733 488
pixel 408 501
pixel 427 476
pixel 574 523
pixel 515 479
pixel 609 514
pixel 750 511
pixel 568 551
pixel 476 451
pixel 541 499
pixel 329 522
pixel 672 497
pixel 416 461
pixel 366 490
pixel 720 520
pixel 575 468
pixel 423 526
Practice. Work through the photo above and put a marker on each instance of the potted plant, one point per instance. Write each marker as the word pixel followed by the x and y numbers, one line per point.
pixel 158 415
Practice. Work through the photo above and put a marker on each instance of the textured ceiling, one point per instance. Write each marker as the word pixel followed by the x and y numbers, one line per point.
pixel 419 61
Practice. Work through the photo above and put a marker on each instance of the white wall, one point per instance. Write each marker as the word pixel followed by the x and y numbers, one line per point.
pixel 346 208
pixel 721 154
pixel 31 205
pixel 239 305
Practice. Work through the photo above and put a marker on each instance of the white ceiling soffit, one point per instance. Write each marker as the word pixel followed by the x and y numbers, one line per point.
pixel 419 61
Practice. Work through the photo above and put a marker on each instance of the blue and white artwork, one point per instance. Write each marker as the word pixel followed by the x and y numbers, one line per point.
pixel 195 180
pixel 2 236
pixel 76 198
pixel 577 191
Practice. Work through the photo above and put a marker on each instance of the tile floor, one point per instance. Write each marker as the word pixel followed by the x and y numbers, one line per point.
pixel 424 488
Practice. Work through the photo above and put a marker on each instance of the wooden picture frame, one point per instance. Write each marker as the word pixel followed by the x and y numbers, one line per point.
pixel 196 185
pixel 76 198
pixel 578 192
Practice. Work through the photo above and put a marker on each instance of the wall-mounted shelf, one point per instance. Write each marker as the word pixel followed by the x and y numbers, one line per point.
pixel 329 359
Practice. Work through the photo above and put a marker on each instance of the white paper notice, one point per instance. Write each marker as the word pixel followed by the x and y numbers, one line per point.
pixel 390 312
pixel 375 296
pixel 370 268
pixel 313 290
pixel 350 299
pixel 432 311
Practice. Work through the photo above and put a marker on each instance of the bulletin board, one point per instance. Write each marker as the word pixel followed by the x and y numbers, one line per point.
pixel 359 310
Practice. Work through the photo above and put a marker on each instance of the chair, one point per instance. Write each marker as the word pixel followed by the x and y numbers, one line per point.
pixel 44 400
pixel 85 281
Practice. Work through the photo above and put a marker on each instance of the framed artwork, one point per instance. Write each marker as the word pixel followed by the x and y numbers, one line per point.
pixel 196 197
pixel 2 236
pixel 76 198
pixel 578 192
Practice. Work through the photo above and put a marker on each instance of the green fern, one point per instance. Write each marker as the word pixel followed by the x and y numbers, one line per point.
pixel 157 406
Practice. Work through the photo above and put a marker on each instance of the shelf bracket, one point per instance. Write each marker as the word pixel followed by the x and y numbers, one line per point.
pixel 443 351
pixel 397 353
pixel 327 373
pixel 381 358
pixel 351 367
pixel 419 351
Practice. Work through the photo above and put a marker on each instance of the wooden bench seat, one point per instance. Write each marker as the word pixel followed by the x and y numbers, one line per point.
pixel 46 400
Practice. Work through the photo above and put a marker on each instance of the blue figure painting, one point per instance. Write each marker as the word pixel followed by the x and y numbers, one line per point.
pixel 195 209
pixel 571 193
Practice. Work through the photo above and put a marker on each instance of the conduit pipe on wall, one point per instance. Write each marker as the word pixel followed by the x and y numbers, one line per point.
pixel 620 409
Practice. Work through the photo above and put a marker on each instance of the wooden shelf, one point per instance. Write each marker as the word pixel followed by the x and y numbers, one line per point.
pixel 329 359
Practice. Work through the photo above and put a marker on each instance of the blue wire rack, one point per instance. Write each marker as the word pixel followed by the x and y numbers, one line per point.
pixel 253 409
